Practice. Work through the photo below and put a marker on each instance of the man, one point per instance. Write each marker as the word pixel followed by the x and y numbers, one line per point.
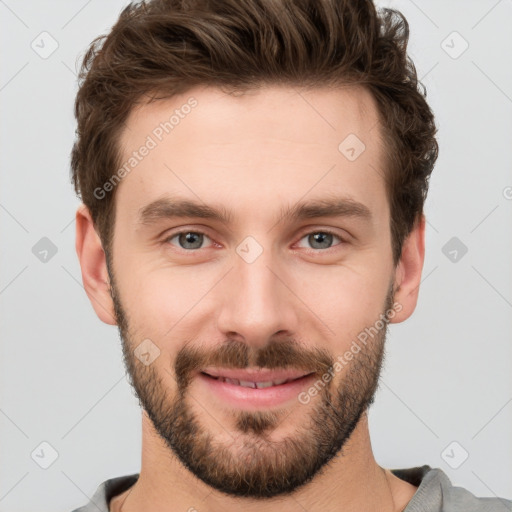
pixel 253 177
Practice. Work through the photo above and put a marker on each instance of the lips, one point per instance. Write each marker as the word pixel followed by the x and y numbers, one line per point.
pixel 256 379
pixel 253 389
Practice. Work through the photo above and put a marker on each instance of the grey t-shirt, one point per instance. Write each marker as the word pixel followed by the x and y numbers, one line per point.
pixel 435 493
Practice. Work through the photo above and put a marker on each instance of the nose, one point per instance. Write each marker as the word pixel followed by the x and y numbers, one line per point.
pixel 256 301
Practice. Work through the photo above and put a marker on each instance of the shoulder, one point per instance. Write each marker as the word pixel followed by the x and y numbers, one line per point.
pixel 459 499
pixel 106 491
pixel 437 493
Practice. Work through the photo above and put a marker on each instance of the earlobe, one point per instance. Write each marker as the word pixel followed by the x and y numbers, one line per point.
pixel 408 272
pixel 93 266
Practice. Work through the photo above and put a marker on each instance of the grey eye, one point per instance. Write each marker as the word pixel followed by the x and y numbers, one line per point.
pixel 321 240
pixel 189 239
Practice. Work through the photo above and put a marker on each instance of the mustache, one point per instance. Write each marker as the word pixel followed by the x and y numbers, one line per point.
pixel 234 354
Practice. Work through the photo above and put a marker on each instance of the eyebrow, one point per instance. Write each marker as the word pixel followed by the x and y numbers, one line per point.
pixel 168 208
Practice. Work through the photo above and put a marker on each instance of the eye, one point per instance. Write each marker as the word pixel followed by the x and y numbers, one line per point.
pixel 321 239
pixel 188 240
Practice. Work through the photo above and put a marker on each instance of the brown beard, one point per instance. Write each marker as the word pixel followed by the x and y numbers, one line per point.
pixel 253 465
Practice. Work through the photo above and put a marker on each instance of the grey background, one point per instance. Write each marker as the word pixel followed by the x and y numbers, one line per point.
pixel 447 377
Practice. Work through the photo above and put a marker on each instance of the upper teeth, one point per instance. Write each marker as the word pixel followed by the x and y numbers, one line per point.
pixel 248 384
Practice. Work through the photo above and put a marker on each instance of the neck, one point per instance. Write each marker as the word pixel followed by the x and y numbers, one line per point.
pixel 352 481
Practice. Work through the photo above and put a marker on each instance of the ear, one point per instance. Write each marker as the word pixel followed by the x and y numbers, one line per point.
pixel 94 266
pixel 408 272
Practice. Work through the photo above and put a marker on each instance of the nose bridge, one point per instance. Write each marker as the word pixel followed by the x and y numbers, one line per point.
pixel 255 303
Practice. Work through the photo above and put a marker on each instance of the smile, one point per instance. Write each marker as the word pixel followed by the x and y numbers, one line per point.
pixel 251 384
pixel 254 390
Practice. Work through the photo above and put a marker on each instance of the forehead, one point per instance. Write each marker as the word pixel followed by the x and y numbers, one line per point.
pixel 269 146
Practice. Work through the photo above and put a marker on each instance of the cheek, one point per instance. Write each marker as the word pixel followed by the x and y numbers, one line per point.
pixel 345 300
pixel 161 302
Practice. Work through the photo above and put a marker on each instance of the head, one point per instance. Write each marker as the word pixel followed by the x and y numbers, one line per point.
pixel 253 198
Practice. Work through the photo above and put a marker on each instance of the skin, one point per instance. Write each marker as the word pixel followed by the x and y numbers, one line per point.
pixel 255 154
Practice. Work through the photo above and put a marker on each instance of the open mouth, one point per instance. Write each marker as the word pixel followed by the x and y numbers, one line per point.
pixel 255 385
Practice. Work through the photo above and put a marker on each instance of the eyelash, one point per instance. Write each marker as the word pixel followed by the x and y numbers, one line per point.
pixel 323 231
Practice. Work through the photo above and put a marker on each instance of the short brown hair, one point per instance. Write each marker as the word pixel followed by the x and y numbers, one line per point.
pixel 160 48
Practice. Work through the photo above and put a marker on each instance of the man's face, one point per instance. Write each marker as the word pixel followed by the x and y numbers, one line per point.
pixel 258 289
